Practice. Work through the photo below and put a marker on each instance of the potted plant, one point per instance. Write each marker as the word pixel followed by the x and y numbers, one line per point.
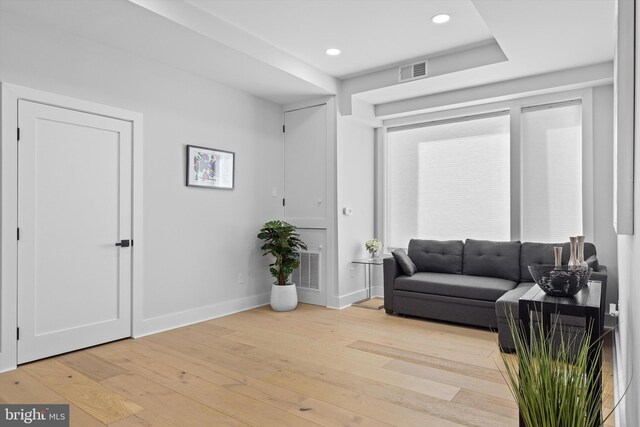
pixel 282 242
pixel 552 382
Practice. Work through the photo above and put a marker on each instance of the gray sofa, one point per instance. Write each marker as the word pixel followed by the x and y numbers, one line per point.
pixel 477 282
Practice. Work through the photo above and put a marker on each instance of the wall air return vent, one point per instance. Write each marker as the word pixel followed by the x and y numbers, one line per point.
pixel 414 71
pixel 307 275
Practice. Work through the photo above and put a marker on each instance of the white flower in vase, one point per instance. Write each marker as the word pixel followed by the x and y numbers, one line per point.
pixel 373 246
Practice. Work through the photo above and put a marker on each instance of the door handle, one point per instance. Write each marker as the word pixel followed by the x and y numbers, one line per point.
pixel 124 243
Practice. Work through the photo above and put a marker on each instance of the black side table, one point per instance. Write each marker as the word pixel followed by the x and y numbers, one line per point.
pixel 588 303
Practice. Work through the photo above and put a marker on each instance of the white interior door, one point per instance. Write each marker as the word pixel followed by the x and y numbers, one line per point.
pixel 305 188
pixel 305 160
pixel 74 205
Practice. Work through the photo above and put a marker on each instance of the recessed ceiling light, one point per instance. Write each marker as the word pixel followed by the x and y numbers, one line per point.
pixel 441 18
pixel 332 51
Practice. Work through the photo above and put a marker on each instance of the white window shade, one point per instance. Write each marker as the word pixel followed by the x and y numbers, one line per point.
pixel 449 181
pixel 551 172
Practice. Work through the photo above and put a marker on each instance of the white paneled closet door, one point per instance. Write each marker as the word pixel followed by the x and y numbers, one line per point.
pixel 305 185
pixel 74 217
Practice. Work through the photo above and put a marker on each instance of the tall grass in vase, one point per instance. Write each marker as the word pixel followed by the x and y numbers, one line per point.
pixel 552 382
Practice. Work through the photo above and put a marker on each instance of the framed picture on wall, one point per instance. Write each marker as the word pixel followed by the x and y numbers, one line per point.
pixel 211 168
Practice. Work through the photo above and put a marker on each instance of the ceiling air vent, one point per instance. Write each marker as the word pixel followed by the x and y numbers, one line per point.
pixel 413 71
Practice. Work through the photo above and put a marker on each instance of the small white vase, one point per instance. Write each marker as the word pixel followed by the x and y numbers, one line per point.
pixel 557 254
pixel 284 298
pixel 573 244
pixel 580 252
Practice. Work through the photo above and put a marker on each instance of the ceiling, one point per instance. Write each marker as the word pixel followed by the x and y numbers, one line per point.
pixel 371 34
pixel 274 49
pixel 537 36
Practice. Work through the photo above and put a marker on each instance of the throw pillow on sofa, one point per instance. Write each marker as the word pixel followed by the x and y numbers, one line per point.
pixel 492 259
pixel 405 263
pixel 437 256
pixel 592 262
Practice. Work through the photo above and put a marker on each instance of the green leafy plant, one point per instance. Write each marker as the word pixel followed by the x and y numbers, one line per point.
pixel 283 242
pixel 552 382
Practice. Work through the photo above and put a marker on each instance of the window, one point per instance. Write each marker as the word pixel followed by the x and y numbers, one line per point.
pixel 449 180
pixel 452 179
pixel 551 172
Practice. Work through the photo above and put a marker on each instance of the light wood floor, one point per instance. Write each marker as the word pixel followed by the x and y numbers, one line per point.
pixel 312 366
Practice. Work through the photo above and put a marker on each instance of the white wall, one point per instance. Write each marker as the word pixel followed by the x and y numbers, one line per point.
pixel 604 235
pixel 628 347
pixel 628 343
pixel 197 241
pixel 355 190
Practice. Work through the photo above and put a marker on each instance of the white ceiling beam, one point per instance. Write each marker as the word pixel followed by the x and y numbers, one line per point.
pixel 465 58
pixel 575 78
pixel 224 33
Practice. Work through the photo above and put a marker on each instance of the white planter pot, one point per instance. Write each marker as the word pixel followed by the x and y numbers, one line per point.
pixel 284 298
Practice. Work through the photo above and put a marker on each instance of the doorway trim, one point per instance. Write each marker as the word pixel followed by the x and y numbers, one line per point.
pixel 10 95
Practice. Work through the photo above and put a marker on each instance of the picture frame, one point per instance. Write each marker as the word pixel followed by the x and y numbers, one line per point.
pixel 210 168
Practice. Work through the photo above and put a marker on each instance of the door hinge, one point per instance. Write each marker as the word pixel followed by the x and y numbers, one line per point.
pixel 282 128
pixel 18 134
pixel 18 234
pixel 18 334
pixel 283 203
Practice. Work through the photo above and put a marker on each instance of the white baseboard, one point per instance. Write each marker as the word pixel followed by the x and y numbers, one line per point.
pixel 377 291
pixel 345 301
pixel 188 317
pixel 10 368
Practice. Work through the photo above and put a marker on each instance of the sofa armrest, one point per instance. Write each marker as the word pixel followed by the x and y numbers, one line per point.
pixel 391 271
pixel 600 274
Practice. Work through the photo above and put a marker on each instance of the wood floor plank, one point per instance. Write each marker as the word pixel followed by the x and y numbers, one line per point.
pixel 504 407
pixel 442 409
pixel 302 406
pixel 358 402
pixel 264 364
pixel 208 328
pixel 488 374
pixel 87 394
pixel 462 381
pixel 416 340
pixel 295 326
pixel 330 415
pixel 342 363
pixel 18 387
pixel 236 405
pixel 168 404
pixel 311 366
pixel 93 367
pixel 143 419
pixel 163 355
pixel 282 397
pixel 274 367
pixel 309 345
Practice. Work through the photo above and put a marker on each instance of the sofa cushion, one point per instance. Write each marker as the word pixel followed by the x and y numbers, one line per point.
pixel 509 302
pixel 437 256
pixel 405 263
pixel 461 286
pixel 542 253
pixel 492 259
